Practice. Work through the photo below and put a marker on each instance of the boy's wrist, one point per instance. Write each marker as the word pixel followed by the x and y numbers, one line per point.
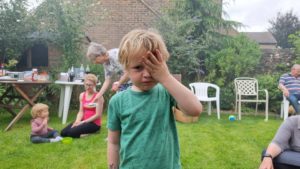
pixel 167 79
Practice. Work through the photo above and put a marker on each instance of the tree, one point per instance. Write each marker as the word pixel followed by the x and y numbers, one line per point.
pixel 294 39
pixel 66 21
pixel 237 57
pixel 193 31
pixel 284 25
pixel 15 26
pixel 191 28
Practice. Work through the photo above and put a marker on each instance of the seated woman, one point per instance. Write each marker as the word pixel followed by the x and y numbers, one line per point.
pixel 284 150
pixel 88 119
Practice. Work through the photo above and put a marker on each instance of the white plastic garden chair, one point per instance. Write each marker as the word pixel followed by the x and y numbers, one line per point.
pixel 284 112
pixel 246 90
pixel 201 91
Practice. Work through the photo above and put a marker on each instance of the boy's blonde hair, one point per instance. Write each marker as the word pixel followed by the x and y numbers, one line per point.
pixel 139 41
pixel 95 50
pixel 91 77
pixel 37 109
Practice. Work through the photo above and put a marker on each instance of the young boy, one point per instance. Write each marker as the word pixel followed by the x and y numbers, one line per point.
pixel 141 127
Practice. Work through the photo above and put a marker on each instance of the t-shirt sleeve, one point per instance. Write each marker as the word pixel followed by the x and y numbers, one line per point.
pixel 107 72
pixel 113 120
pixel 172 100
pixel 284 134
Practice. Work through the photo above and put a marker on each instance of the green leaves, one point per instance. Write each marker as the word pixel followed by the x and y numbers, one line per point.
pixel 284 25
pixel 66 20
pixel 15 26
pixel 191 30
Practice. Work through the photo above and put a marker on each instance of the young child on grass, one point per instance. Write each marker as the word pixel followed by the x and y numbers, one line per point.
pixel 88 119
pixel 141 127
pixel 40 132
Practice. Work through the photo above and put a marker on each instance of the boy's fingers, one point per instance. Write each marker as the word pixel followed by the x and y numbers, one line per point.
pixel 147 62
pixel 153 58
pixel 158 55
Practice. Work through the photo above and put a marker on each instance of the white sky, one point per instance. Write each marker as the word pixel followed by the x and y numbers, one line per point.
pixel 255 14
pixel 33 3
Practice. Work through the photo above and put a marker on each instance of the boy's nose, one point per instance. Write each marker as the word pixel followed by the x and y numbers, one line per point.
pixel 146 73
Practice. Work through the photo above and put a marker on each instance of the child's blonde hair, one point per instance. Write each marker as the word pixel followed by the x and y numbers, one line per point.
pixel 37 109
pixel 91 77
pixel 95 50
pixel 140 41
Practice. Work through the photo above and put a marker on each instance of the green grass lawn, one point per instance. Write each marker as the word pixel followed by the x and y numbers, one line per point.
pixel 207 144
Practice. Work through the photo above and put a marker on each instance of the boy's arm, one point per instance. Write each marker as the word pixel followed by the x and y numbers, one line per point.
pixel 158 69
pixel 113 146
pixel 185 99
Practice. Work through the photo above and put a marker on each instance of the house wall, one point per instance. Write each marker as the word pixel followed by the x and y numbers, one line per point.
pixel 267 46
pixel 121 16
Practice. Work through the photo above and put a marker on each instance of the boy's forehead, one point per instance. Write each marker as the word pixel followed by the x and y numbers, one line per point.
pixel 138 55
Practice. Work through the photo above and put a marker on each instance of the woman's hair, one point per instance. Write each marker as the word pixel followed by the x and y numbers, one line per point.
pixel 95 50
pixel 91 77
pixel 37 109
pixel 139 41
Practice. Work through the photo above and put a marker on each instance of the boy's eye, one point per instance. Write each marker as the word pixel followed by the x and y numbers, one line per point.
pixel 138 68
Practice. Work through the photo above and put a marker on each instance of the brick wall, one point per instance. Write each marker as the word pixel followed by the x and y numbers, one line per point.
pixel 121 16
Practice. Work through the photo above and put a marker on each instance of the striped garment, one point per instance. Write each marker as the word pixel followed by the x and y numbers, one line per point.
pixel 291 83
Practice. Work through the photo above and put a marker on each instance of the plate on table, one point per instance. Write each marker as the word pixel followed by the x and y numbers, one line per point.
pixel 7 78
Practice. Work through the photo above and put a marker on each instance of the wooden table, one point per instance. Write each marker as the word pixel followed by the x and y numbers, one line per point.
pixel 18 92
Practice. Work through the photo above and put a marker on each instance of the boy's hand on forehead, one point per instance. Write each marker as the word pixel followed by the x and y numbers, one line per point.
pixel 156 66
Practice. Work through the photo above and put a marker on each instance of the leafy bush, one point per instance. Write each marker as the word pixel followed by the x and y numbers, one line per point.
pixel 237 57
pixel 270 82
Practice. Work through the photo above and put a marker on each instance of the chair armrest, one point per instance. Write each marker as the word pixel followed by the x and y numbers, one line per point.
pixel 266 92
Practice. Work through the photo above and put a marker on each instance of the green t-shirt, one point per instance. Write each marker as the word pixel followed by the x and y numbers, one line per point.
pixel 148 131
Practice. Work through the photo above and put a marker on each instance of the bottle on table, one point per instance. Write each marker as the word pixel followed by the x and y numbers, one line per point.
pixel 34 76
pixel 81 72
pixel 71 74
pixel 87 70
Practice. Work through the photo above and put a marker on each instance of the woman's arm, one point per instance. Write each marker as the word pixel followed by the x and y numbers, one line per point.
pixel 113 147
pixel 80 112
pixel 103 89
pixel 123 79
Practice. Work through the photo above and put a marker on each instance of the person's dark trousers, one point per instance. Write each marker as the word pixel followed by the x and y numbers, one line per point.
pixel 44 138
pixel 76 131
pixel 286 160
pixel 294 98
